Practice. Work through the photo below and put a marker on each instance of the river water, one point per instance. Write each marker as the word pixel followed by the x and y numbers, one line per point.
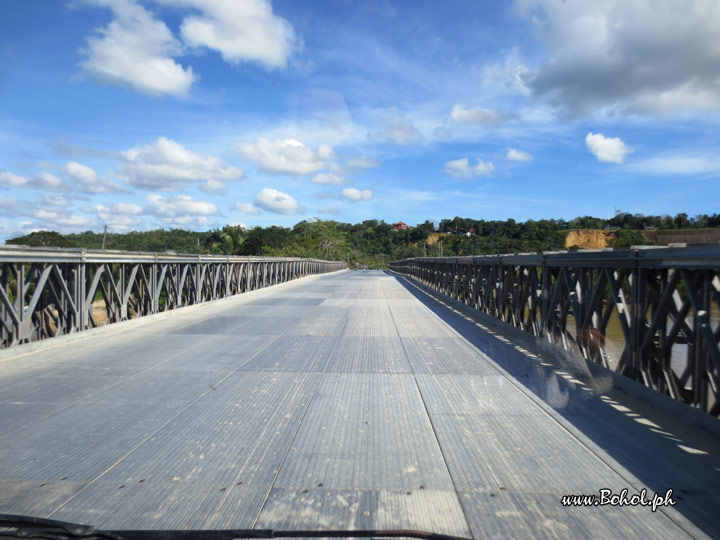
pixel 615 340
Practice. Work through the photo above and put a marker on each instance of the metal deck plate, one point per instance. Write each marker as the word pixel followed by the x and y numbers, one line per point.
pixel 341 402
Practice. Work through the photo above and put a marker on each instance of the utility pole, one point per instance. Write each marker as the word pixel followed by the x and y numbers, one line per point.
pixel 104 236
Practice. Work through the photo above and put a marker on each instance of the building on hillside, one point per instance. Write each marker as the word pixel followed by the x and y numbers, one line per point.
pixel 400 225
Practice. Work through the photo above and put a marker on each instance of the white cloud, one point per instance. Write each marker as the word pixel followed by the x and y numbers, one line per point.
pixel 81 173
pixel 328 178
pixel 518 155
pixel 361 162
pixel 353 195
pixel 136 50
pixel 241 31
pixel 54 200
pixel 277 202
pixel 51 219
pixel 119 217
pixel 326 153
pixel 610 150
pixel 247 208
pixel 483 168
pixel 461 169
pixel 47 181
pixel 89 180
pixel 399 130
pixel 645 56
pixel 8 178
pixel 328 210
pixel 510 74
pixel 180 209
pixel 476 115
pixel 126 208
pixel 286 156
pixel 168 166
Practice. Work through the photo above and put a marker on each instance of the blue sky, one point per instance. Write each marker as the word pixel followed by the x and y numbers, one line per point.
pixel 139 114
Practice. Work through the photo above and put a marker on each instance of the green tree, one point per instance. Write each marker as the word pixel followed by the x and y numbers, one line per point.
pixel 42 239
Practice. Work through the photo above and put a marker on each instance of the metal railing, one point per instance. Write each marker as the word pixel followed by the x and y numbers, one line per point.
pixel 648 313
pixel 45 292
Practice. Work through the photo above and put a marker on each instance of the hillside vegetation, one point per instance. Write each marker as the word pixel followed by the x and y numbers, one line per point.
pixel 374 243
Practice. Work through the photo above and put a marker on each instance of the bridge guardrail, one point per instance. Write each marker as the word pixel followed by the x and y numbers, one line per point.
pixel 665 301
pixel 46 292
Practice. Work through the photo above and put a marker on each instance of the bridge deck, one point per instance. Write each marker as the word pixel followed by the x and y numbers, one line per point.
pixel 349 400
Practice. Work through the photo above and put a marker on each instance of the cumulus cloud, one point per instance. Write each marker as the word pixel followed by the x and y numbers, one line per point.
pixel 54 200
pixel 61 220
pixel 43 181
pixel 10 179
pixel 354 195
pixel 246 208
pixel 48 182
pixel 126 208
pixel 610 150
pixel 399 130
pixel 246 31
pixel 286 156
pixel 119 217
pixel 476 115
pixel 180 209
pixel 645 56
pixel 461 169
pixel 168 166
pixel 328 178
pixel 277 202
pixel 89 180
pixel 328 210
pixel 518 155
pixel 135 50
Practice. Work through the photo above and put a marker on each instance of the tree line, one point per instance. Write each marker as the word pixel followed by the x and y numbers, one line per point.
pixel 374 242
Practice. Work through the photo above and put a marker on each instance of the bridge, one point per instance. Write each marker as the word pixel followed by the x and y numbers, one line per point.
pixel 464 396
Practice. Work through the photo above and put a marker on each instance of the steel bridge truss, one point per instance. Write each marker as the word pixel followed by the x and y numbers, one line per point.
pixel 666 302
pixel 45 292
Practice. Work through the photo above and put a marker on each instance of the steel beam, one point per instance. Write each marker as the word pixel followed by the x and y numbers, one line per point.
pixel 664 301
pixel 45 292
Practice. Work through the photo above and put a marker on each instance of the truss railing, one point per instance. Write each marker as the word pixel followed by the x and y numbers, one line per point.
pixel 45 292
pixel 648 313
